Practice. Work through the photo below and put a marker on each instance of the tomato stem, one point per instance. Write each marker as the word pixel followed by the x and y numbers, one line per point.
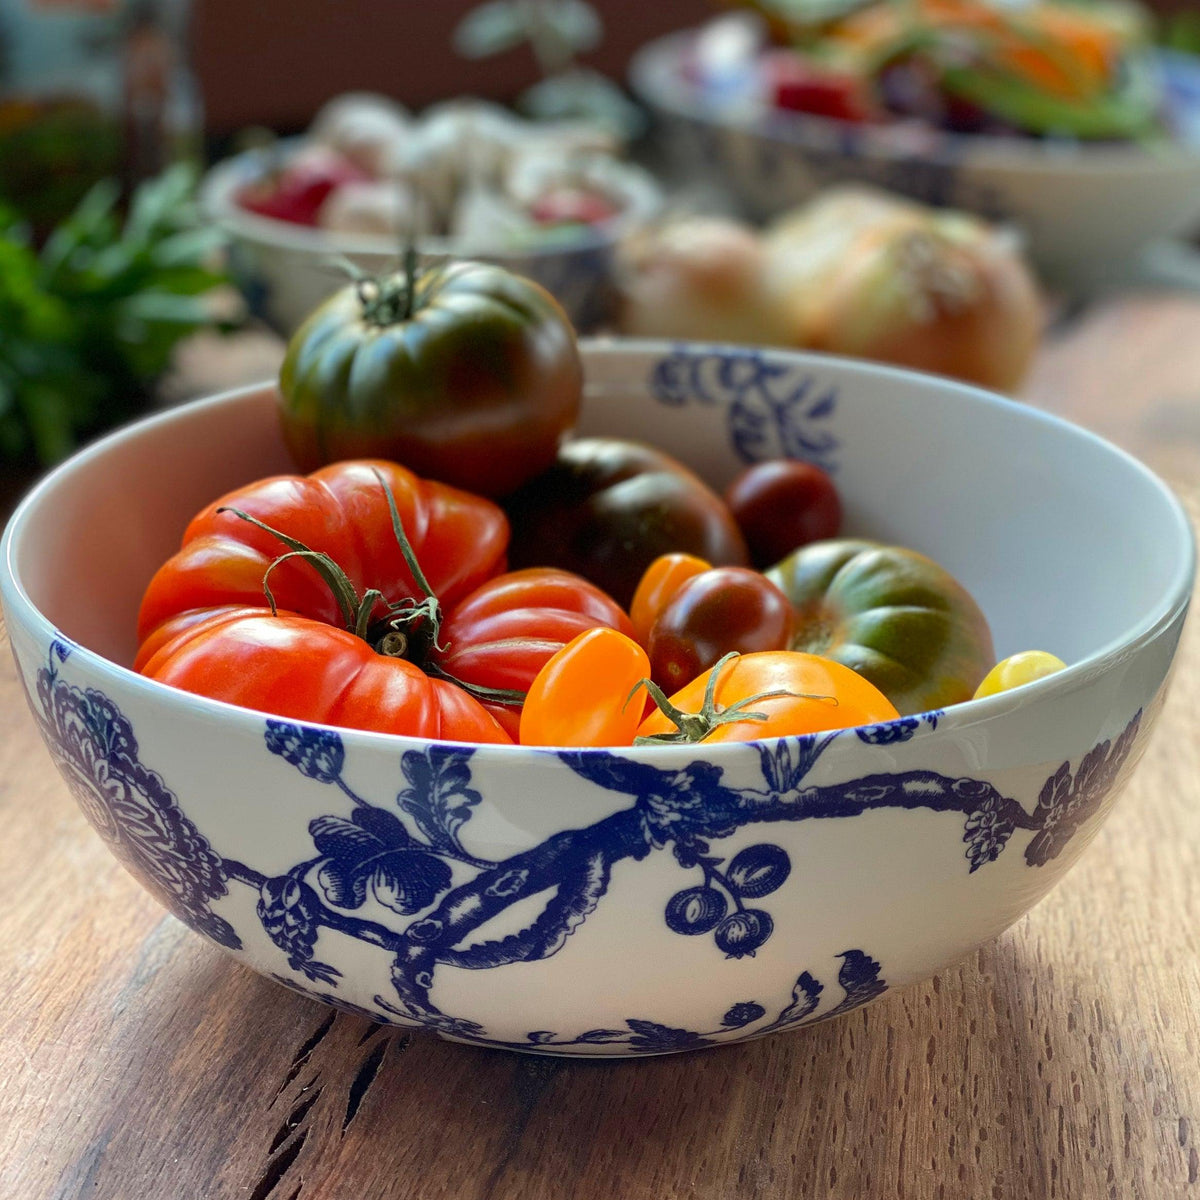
pixel 392 299
pixel 695 727
pixel 408 628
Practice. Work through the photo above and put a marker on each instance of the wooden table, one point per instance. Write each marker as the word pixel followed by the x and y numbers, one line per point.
pixel 139 1063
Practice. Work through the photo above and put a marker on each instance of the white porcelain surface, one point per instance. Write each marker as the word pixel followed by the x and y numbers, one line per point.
pixel 633 901
pixel 285 270
pixel 1087 210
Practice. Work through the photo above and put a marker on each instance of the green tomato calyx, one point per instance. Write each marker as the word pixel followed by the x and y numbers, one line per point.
pixel 391 299
pixel 695 727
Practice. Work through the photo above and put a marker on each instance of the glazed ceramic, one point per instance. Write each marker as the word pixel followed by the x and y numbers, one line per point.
pixel 285 270
pixel 1087 212
pixel 627 901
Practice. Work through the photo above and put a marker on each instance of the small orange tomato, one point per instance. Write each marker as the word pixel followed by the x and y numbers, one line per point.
pixel 795 693
pixel 581 697
pixel 662 579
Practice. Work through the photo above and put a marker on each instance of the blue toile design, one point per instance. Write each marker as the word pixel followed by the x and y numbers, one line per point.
pixel 773 410
pixel 130 806
pixel 409 858
pixel 1066 801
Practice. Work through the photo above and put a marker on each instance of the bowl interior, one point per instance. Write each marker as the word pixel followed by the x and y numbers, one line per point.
pixel 1068 544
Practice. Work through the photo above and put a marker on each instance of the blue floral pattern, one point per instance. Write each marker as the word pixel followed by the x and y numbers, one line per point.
pixel 407 857
pixel 773 410
pixel 130 806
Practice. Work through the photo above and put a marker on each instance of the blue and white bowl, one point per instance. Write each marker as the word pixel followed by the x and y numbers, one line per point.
pixel 631 901
pixel 1087 211
pixel 285 270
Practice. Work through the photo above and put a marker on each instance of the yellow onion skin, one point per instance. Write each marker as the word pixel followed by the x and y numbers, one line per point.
pixel 699 278
pixel 870 277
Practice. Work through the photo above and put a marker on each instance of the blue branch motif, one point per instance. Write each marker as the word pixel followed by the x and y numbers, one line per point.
pixel 772 410
pixel 408 858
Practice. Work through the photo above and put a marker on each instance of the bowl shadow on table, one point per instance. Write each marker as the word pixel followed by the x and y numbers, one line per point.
pixel 830 1106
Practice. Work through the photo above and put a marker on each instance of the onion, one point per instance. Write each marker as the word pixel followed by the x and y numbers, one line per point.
pixel 695 277
pixel 862 274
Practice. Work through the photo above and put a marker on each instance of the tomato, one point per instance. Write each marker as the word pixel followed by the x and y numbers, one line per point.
pixel 296 191
pixel 814 694
pixel 501 635
pixel 583 696
pixel 608 508
pixel 574 205
pixel 660 582
pixel 341 511
pixel 465 373
pixel 781 504
pixel 892 615
pixel 1018 669
pixel 718 611
pixel 805 85
pixel 293 666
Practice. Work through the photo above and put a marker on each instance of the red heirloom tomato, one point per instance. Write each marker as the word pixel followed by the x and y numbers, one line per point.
pixel 793 693
pixel 464 372
pixel 296 667
pixel 353 630
pixel 341 511
pixel 718 611
pixel 502 634
pixel 781 504
pixel 608 508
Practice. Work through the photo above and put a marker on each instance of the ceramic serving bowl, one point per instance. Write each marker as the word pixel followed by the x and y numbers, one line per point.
pixel 1088 211
pixel 609 902
pixel 284 270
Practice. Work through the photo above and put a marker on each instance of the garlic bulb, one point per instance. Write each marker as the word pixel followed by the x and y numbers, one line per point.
pixel 366 128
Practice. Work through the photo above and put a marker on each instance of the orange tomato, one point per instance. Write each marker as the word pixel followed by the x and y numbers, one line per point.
pixel 582 696
pixel 811 694
pixel 662 579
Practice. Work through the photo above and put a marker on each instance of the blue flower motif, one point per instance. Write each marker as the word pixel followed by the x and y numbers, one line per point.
pixel 772 410
pixel 1066 802
pixel 315 753
pixel 987 831
pixel 290 912
pixel 653 1038
pixel 888 733
pixel 130 806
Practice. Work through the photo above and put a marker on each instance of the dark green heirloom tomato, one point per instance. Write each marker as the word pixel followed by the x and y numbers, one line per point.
pixel 464 373
pixel 608 508
pixel 890 614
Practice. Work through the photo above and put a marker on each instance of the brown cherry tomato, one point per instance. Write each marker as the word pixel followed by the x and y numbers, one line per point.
pixel 727 608
pixel 781 504
pixel 663 578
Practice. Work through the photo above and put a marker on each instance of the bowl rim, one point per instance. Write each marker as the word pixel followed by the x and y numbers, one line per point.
pixel 1171 609
pixel 652 75
pixel 221 182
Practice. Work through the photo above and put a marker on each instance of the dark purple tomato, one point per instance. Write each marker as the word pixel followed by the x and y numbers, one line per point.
pixel 780 505
pixel 718 611
pixel 608 508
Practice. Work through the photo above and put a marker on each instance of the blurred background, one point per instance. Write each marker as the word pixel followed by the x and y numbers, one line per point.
pixel 927 182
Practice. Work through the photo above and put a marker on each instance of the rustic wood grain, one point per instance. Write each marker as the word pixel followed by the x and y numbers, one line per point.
pixel 1061 1061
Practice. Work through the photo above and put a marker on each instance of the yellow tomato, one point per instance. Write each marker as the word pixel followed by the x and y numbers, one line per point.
pixel 1017 669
